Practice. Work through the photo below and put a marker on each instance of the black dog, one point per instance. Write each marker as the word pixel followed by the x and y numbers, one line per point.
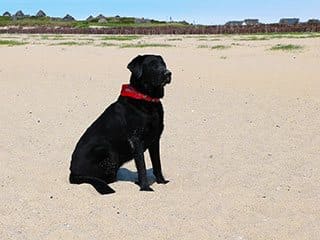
pixel 125 130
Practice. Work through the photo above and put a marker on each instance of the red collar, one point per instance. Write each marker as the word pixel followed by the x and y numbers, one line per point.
pixel 129 91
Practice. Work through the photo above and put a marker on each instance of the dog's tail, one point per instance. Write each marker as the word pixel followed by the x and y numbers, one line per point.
pixel 100 185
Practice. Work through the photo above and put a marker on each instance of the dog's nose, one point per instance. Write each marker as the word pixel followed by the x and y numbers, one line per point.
pixel 167 75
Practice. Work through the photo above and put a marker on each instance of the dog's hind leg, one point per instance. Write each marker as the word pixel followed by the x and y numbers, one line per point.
pixel 98 168
pixel 109 165
pixel 100 185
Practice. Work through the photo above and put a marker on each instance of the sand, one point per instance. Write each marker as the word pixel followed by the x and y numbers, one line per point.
pixel 240 147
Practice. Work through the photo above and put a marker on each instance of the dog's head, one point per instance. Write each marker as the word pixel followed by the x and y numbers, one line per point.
pixel 149 75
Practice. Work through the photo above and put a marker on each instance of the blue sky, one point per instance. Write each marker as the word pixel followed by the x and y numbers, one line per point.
pixel 200 11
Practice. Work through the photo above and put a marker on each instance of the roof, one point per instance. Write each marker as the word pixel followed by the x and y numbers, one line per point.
pixel 90 18
pixel 251 21
pixel 68 18
pixel 313 21
pixel 19 14
pixel 289 20
pixel 41 14
pixel 6 14
pixel 234 23
pixel 100 16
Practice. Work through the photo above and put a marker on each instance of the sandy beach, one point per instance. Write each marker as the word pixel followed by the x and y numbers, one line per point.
pixel 240 147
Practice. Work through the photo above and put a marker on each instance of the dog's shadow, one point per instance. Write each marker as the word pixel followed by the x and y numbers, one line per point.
pixel 126 175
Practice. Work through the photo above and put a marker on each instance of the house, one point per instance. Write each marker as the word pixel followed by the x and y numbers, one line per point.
pixel 41 14
pixel 6 14
pixel 68 18
pixel 102 20
pixel 90 18
pixel 18 15
pixel 314 21
pixel 100 16
pixel 234 23
pixel 251 21
pixel 117 18
pixel 289 21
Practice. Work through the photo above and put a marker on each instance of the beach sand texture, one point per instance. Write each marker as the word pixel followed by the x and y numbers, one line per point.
pixel 240 147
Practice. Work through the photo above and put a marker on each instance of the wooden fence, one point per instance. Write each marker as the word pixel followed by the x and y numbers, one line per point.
pixel 262 28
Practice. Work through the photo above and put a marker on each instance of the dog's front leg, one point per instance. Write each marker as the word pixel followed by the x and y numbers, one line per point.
pixel 154 152
pixel 138 156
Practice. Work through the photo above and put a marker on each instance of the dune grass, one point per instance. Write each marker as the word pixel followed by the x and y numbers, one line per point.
pixel 106 44
pixel 86 39
pixel 11 43
pixel 174 39
pixel 269 36
pixel 254 38
pixel 208 39
pixel 52 37
pixel 203 46
pixel 286 47
pixel 293 35
pixel 145 45
pixel 121 38
pixel 193 36
pixel 70 43
pixel 215 47
pixel 220 47
pixel 205 37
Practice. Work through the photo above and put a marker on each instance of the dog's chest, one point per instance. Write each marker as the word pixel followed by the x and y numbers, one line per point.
pixel 144 122
pixel 152 127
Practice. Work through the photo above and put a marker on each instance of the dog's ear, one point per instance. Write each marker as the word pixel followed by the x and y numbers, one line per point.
pixel 135 66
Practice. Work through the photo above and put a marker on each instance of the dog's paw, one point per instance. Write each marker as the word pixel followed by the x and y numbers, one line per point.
pixel 146 189
pixel 161 180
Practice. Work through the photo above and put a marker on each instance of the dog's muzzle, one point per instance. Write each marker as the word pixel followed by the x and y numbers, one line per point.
pixel 167 75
